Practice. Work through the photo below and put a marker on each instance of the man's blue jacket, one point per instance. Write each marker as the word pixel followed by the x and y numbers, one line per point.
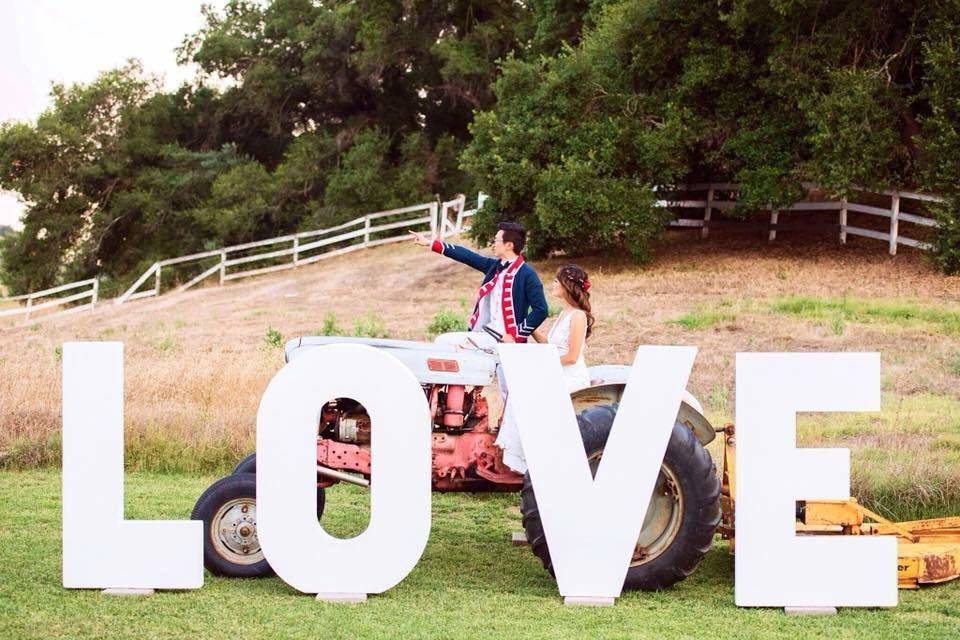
pixel 524 306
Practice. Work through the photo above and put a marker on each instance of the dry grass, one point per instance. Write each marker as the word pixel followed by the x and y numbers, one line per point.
pixel 197 363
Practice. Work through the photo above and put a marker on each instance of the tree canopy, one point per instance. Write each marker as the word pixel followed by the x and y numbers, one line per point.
pixel 767 94
pixel 567 112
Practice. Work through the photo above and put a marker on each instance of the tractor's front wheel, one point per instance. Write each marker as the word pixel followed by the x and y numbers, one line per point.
pixel 228 509
pixel 682 516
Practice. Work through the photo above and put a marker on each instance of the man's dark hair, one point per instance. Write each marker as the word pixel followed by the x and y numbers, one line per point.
pixel 515 233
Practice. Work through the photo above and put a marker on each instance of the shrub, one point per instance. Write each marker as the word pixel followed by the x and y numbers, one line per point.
pixel 330 327
pixel 446 321
pixel 273 338
pixel 369 326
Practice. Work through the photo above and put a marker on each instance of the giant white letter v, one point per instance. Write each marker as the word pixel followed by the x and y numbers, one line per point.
pixel 591 523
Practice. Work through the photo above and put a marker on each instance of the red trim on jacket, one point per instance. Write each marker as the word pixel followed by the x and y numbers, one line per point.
pixel 506 300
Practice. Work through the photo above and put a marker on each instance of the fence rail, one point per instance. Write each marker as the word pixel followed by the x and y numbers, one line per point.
pixel 307 247
pixel 452 217
pixel 91 290
pixel 721 196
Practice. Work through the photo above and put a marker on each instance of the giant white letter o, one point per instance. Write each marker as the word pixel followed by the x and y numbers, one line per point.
pixel 298 549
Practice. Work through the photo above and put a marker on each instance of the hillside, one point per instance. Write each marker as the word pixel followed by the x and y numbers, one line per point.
pixel 196 363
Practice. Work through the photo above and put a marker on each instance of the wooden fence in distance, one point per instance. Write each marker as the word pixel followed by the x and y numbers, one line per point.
pixel 39 301
pixel 255 258
pixel 722 196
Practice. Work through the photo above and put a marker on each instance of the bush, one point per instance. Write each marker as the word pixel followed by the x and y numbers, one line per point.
pixel 446 321
pixel 330 327
pixel 369 326
pixel 273 338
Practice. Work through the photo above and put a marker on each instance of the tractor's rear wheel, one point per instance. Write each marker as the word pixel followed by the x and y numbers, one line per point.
pixel 682 516
pixel 228 509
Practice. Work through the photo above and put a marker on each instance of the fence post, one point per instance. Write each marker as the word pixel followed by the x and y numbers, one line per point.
pixel 442 220
pixel 296 251
pixel 96 292
pixel 774 217
pixel 29 304
pixel 843 220
pixel 434 216
pixel 366 231
pixel 461 206
pixel 894 223
pixel 481 198
pixel 223 266
pixel 156 285
pixel 707 212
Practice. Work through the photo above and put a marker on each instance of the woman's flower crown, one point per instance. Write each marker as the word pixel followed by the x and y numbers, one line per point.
pixel 583 282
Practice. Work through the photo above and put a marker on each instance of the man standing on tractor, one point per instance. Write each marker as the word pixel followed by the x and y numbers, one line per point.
pixel 510 306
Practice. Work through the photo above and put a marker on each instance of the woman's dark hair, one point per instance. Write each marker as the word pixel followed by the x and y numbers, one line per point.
pixel 576 285
pixel 515 233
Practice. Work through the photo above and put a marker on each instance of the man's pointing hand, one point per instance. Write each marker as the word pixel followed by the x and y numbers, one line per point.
pixel 421 239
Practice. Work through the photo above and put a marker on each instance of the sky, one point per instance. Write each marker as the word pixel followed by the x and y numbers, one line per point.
pixel 70 41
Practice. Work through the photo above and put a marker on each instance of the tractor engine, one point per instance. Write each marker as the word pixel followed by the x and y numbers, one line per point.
pixel 464 455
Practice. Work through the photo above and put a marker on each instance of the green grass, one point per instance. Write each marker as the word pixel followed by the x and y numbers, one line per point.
pixel 840 310
pixel 470 583
pixel 703 319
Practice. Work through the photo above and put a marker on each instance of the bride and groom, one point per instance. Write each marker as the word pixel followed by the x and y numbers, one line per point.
pixel 511 307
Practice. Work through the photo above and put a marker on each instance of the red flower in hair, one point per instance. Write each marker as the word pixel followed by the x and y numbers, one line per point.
pixel 586 285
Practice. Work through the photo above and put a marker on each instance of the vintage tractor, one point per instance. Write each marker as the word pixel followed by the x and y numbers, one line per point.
pixel 682 517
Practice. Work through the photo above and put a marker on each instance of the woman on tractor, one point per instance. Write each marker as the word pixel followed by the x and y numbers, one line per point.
pixel 569 334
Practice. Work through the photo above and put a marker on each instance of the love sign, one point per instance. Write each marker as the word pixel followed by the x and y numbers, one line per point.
pixel 591 522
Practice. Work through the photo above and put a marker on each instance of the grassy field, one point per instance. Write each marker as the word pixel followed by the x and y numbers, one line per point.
pixel 197 363
pixel 470 583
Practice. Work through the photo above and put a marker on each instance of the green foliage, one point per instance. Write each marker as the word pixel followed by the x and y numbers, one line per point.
pixel 332 109
pixel 369 326
pixel 567 112
pixel 837 324
pixel 330 327
pixel 769 95
pixel 273 338
pixel 953 364
pixel 167 344
pixel 446 321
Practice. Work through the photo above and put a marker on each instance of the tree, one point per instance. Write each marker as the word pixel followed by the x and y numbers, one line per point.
pixel 764 93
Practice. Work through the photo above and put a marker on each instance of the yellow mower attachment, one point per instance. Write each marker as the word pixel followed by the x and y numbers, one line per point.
pixel 928 551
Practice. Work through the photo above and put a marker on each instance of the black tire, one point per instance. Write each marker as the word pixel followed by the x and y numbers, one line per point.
pixel 693 471
pixel 228 511
pixel 247 465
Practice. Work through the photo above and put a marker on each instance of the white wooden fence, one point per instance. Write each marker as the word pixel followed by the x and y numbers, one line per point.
pixel 722 196
pixel 304 248
pixel 38 301
pixel 452 217
pixel 231 263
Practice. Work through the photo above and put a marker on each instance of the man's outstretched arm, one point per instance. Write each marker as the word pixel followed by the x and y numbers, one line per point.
pixel 455 252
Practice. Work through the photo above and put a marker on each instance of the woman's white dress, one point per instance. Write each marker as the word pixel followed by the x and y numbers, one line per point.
pixel 576 376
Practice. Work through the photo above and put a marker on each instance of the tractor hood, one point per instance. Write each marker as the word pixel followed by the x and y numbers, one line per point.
pixel 431 363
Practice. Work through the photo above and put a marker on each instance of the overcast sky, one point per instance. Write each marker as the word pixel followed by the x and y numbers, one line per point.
pixel 68 41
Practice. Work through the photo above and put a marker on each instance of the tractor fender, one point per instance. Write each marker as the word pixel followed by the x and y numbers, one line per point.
pixel 606 386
